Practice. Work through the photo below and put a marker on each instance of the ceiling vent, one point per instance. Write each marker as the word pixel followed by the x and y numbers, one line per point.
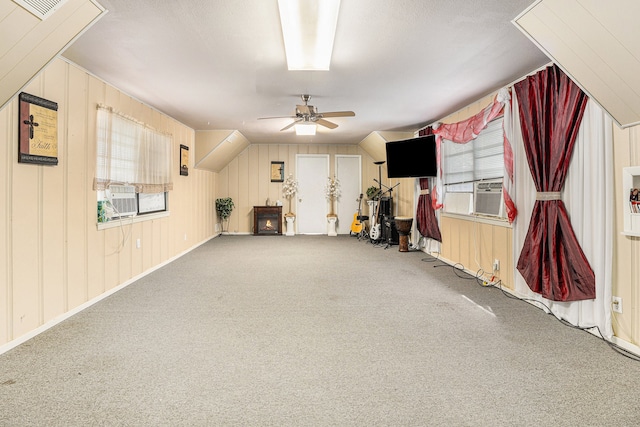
pixel 41 8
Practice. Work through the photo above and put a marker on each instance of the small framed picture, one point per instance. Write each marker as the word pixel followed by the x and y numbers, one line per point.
pixel 277 171
pixel 184 160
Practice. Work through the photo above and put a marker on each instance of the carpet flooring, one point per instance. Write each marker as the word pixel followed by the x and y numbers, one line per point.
pixel 314 331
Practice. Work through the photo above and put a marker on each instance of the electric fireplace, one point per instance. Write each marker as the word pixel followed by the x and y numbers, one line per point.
pixel 267 220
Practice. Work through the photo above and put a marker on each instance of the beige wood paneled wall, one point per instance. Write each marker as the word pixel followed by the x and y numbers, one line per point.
pixel 476 244
pixel 246 178
pixel 626 250
pixel 52 257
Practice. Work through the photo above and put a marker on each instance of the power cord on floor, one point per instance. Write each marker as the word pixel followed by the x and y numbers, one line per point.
pixel 432 259
pixel 481 281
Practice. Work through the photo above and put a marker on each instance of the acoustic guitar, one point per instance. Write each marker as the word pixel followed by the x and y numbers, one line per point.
pixel 356 225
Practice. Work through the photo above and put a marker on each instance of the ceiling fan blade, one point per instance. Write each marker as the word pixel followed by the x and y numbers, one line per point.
pixel 277 117
pixel 290 124
pixel 326 123
pixel 337 114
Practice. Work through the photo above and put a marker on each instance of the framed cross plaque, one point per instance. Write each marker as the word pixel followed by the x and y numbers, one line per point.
pixel 37 130
pixel 277 171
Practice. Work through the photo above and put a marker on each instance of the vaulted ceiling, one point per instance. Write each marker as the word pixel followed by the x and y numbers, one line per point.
pixel 221 65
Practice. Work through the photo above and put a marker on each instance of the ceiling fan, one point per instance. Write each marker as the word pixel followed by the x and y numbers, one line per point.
pixel 309 114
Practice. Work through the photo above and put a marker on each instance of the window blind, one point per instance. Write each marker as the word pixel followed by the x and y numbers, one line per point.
pixel 476 160
pixel 129 152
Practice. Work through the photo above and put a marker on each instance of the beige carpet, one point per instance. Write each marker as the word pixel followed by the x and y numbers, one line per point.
pixel 314 331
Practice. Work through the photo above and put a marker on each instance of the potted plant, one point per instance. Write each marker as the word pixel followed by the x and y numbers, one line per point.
pixel 373 193
pixel 224 206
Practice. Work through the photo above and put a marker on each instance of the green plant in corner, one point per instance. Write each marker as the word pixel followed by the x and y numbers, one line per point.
pixel 224 206
pixel 372 193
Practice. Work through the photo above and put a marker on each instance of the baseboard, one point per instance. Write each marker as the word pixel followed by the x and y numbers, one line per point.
pixel 61 318
pixel 632 348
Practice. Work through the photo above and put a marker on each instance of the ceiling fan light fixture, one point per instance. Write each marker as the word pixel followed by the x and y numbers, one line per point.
pixel 308 29
pixel 305 128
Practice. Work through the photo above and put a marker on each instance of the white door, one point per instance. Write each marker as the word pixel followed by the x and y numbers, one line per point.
pixel 312 172
pixel 349 173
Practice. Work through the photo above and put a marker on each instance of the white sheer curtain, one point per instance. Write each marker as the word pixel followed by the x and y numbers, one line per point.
pixel 129 152
pixel 588 197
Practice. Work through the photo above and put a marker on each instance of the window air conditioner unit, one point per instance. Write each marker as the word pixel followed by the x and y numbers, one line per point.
pixel 123 200
pixel 488 200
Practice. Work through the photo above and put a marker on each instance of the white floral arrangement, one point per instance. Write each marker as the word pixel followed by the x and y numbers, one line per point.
pixel 289 187
pixel 332 189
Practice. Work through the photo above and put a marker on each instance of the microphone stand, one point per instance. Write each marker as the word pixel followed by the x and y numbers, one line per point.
pixel 388 189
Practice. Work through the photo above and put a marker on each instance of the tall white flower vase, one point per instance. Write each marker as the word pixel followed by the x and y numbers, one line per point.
pixel 332 225
pixel 290 229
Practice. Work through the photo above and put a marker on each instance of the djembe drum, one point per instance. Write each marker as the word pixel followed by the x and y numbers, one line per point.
pixel 403 225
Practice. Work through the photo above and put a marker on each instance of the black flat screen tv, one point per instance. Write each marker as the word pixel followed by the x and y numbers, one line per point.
pixel 412 158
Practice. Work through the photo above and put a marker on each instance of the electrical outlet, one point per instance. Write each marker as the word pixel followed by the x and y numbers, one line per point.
pixel 138 243
pixel 185 236
pixel 616 304
pixel 496 265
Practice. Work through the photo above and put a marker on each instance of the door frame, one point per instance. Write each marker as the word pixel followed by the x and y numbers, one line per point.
pixel 328 171
pixel 346 207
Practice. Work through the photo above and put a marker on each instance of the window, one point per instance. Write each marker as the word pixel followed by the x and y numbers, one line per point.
pixel 465 164
pixel 131 157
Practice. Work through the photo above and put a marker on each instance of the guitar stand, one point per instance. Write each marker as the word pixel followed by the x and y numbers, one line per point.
pixel 363 234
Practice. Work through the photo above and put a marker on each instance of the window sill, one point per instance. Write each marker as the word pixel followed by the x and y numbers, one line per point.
pixel 497 221
pixel 131 220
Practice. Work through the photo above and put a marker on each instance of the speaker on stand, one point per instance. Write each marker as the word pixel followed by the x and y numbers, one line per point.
pixel 386 206
pixel 389 231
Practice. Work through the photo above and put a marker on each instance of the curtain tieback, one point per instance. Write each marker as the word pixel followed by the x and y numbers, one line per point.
pixel 424 192
pixel 549 195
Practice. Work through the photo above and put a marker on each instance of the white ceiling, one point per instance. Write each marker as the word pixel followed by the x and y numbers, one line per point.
pixel 221 64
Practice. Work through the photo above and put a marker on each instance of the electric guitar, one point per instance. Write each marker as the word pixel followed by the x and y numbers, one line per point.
pixel 375 225
pixel 356 225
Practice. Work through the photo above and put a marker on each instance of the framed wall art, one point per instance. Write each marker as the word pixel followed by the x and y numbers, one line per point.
pixel 37 130
pixel 184 160
pixel 277 171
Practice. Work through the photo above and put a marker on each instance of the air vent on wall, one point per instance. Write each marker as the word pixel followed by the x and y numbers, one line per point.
pixel 41 8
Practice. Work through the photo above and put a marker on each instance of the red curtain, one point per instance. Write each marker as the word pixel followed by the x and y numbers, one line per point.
pixel 425 215
pixel 427 222
pixel 552 262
